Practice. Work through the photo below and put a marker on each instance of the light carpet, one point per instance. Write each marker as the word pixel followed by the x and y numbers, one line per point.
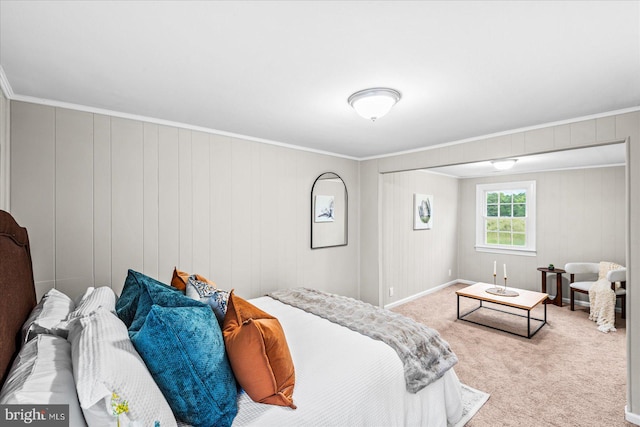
pixel 472 401
pixel 568 374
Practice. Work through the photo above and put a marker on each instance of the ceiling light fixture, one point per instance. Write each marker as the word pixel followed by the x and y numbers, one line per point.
pixel 374 103
pixel 504 164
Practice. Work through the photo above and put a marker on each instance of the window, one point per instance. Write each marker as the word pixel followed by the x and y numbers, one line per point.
pixel 506 217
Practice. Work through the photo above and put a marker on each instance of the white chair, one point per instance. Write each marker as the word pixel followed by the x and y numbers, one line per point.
pixel 593 269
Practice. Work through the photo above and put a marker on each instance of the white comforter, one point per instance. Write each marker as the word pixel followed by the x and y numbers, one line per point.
pixel 344 378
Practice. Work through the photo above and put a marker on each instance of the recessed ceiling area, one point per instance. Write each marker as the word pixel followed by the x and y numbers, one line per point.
pixel 577 158
pixel 282 71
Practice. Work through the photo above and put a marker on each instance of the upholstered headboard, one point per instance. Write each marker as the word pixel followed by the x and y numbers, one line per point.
pixel 17 290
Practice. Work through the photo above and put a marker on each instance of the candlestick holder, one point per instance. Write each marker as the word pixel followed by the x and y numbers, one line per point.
pixel 496 290
pixel 501 291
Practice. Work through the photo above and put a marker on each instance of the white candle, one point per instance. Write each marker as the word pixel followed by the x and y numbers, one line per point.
pixel 494 268
pixel 505 270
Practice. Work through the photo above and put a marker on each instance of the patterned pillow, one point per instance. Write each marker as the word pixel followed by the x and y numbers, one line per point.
pixel 214 297
pixel 180 280
pixel 184 351
pixel 203 289
pixel 219 302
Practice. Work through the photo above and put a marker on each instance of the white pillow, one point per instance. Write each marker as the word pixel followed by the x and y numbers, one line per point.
pixel 105 362
pixel 99 297
pixel 45 317
pixel 86 293
pixel 42 374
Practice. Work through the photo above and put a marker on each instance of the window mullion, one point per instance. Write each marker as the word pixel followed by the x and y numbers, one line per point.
pixel 507 217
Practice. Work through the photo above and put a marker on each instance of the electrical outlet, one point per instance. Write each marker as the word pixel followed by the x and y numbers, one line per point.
pixel 390 292
pixel 449 272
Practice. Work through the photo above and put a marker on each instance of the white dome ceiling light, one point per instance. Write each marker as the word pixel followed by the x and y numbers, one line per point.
pixel 374 103
pixel 504 164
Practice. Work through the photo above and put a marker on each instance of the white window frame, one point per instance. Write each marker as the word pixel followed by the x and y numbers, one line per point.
pixel 529 249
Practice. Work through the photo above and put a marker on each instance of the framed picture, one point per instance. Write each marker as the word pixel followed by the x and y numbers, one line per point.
pixel 422 211
pixel 325 209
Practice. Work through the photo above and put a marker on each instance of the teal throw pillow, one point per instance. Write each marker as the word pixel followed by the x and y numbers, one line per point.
pixel 127 303
pixel 184 351
pixel 153 292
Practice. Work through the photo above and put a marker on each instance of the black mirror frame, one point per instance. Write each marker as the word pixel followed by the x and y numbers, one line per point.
pixel 346 213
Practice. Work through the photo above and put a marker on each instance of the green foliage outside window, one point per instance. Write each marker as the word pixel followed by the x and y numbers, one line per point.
pixel 505 210
pixel 505 218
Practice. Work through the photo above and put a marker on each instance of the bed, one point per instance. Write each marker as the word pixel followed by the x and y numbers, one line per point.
pixel 342 377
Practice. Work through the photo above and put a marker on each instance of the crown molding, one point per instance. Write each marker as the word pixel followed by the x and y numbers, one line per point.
pixel 94 110
pixel 508 132
pixel 8 91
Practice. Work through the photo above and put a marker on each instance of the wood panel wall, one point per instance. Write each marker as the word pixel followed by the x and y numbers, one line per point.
pixel 580 218
pixel 619 127
pixel 414 261
pixel 102 194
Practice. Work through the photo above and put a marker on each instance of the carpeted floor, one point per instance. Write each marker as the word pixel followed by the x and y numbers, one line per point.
pixel 568 374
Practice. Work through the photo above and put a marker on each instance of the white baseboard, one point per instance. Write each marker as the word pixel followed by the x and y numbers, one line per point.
pixel 427 292
pixel 631 417
pixel 576 302
pixel 566 301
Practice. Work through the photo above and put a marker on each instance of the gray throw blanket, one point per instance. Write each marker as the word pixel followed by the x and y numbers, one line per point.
pixel 425 356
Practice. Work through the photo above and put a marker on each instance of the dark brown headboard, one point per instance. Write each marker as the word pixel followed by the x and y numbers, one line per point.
pixel 17 290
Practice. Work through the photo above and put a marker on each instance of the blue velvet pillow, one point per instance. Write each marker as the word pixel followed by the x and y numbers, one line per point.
pixel 184 351
pixel 153 292
pixel 128 301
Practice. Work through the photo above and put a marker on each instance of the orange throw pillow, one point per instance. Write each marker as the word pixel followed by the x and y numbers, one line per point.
pixel 181 278
pixel 258 352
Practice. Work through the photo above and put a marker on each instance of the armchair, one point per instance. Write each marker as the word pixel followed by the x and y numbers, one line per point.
pixel 593 269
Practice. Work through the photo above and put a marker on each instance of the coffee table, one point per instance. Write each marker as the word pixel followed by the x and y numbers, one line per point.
pixel 526 300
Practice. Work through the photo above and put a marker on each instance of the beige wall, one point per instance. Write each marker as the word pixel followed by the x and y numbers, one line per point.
pixel 580 217
pixel 5 159
pixel 371 289
pixel 580 133
pixel 95 191
pixel 631 126
pixel 102 194
pixel 417 260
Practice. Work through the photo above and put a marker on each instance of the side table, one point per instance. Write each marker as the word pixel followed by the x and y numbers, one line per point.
pixel 558 271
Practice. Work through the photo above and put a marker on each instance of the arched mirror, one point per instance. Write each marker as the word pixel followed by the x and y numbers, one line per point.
pixel 329 206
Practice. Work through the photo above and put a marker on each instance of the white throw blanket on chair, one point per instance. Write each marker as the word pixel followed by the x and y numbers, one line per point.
pixel 603 299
